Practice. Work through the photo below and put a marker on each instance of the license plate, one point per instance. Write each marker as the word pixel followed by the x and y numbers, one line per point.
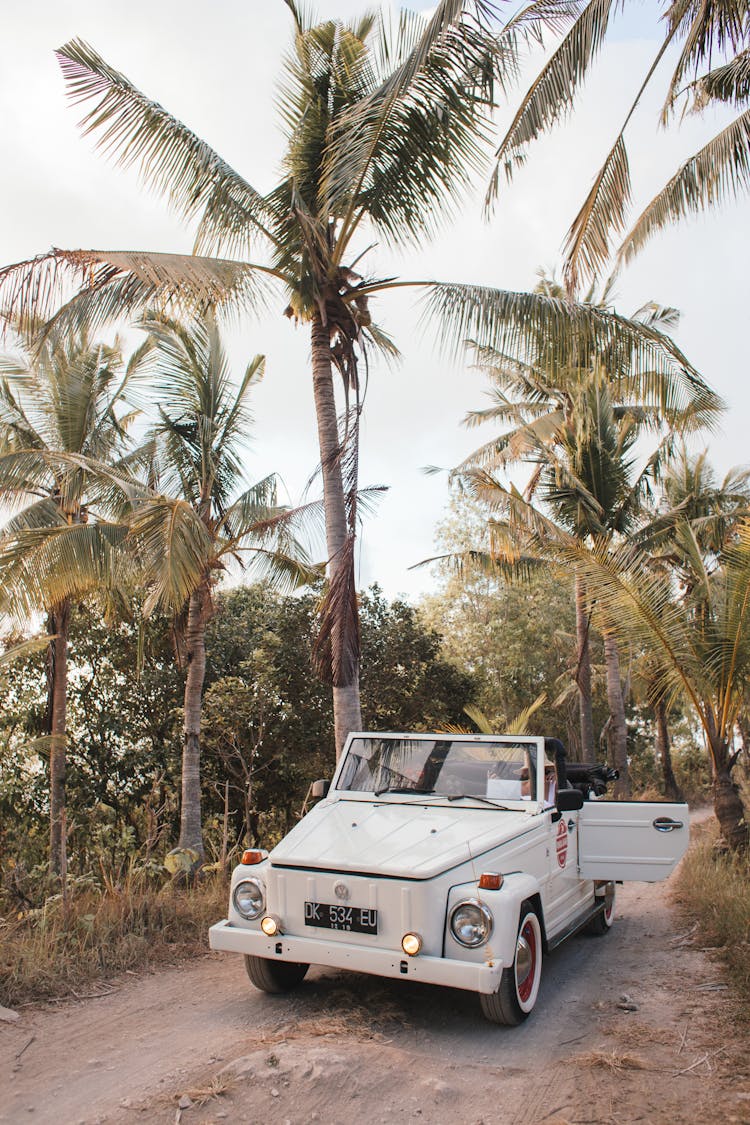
pixel 356 919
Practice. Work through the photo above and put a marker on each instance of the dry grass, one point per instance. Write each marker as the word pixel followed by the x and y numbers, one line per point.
pixel 713 890
pixel 343 1013
pixel 63 950
pixel 219 1085
pixel 612 1061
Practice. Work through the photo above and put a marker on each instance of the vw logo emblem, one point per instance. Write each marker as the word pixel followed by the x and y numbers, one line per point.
pixel 341 890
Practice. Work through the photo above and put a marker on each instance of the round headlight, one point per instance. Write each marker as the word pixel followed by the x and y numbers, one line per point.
pixel 471 923
pixel 248 898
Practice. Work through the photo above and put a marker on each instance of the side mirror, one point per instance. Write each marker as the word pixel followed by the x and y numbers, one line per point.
pixel 568 800
pixel 319 789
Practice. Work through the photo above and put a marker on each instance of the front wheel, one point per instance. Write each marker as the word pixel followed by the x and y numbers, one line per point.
pixel 274 976
pixel 601 923
pixel 516 994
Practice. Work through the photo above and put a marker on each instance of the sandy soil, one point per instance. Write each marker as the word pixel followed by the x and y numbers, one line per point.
pixel 199 1045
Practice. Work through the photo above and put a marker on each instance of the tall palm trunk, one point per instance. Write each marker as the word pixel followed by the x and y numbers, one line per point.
pixel 618 731
pixel 583 671
pixel 347 715
pixel 57 656
pixel 190 811
pixel 664 753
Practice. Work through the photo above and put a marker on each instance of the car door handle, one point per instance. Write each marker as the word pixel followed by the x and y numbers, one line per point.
pixel 666 824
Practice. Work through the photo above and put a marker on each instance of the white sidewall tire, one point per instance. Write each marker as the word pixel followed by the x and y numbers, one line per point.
pixel 608 914
pixel 528 990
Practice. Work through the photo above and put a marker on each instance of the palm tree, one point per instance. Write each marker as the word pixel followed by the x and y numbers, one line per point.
pixel 701 642
pixel 386 122
pixel 711 70
pixel 197 519
pixel 63 432
pixel 577 427
pixel 694 520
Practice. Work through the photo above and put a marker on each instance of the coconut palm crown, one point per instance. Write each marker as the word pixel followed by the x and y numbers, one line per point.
pixel 65 458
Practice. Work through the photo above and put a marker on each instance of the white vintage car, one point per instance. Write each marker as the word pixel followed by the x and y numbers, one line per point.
pixel 450 859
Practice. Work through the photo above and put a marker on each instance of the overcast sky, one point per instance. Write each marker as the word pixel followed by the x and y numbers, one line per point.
pixel 215 67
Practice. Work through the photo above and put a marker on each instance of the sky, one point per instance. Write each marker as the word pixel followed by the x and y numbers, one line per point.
pixel 216 67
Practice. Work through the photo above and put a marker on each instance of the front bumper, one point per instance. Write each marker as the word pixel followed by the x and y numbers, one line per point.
pixel 469 975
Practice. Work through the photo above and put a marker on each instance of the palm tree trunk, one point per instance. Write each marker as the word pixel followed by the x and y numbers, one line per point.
pixel 583 671
pixel 347 714
pixel 664 752
pixel 618 731
pixel 730 811
pixel 195 640
pixel 57 656
pixel 728 805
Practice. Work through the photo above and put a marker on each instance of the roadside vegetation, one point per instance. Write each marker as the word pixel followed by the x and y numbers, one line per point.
pixel 185 650
pixel 712 890
pixel 108 922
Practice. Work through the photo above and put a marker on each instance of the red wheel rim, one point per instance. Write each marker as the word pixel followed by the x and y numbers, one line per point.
pixel 526 985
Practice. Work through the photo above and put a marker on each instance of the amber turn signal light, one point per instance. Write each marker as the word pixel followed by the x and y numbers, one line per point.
pixel 251 857
pixel 490 881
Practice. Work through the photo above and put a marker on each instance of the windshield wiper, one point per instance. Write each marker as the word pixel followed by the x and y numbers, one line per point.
pixel 476 797
pixel 403 789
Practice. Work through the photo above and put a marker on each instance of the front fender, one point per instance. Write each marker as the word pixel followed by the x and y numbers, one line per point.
pixel 505 906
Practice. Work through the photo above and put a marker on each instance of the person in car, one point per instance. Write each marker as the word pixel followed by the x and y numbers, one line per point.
pixel 550 784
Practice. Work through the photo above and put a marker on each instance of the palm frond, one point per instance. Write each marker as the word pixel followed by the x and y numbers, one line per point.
pixel 707 31
pixel 638 605
pixel 42 566
pixel 25 648
pixel 175 550
pixel 115 284
pixel 516 322
pixel 551 95
pixel 729 83
pixel 441 87
pixel 717 173
pixel 601 218
pixel 520 724
pixel 287 572
pixel 135 131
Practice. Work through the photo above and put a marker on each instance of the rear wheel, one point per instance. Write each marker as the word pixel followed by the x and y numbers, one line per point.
pixel 601 923
pixel 516 994
pixel 274 976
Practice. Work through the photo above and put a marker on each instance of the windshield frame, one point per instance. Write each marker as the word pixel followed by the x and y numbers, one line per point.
pixel 536 745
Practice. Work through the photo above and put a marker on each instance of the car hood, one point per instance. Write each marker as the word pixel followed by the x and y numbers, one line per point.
pixel 410 841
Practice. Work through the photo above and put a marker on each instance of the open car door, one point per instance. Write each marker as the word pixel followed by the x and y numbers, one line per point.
pixel 639 840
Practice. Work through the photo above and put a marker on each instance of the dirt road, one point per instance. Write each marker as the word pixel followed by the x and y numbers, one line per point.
pixel 352 1048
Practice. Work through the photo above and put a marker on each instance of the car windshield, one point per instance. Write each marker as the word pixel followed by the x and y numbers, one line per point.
pixel 504 771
